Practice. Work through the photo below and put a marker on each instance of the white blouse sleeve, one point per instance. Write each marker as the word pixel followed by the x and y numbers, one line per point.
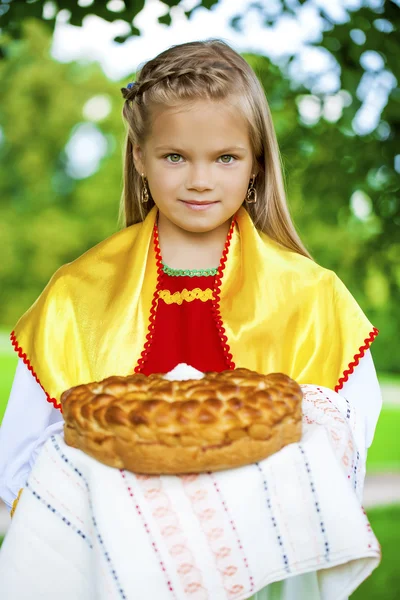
pixel 364 394
pixel 28 422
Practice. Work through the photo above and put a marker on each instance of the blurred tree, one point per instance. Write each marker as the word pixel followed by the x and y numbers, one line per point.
pixel 342 182
pixel 337 186
pixel 48 216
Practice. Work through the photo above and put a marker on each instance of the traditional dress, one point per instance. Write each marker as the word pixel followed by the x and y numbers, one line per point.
pixel 118 308
pixel 274 310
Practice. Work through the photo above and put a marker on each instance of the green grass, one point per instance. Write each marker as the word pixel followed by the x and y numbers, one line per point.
pixel 384 454
pixel 8 363
pixel 5 343
pixel 384 582
pixel 389 378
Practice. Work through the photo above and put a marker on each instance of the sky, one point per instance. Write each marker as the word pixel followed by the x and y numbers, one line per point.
pixel 94 42
pixel 289 35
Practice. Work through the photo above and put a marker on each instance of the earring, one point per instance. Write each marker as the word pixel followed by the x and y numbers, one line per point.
pixel 145 190
pixel 251 196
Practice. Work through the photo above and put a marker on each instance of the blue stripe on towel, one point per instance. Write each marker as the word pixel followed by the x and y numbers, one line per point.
pixel 59 515
pixel 102 545
pixel 316 502
pixel 279 538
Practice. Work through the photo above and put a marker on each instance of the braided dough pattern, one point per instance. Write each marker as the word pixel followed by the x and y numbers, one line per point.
pixel 152 425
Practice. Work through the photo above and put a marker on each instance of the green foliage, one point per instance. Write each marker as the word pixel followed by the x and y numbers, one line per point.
pixel 325 164
pixel 15 12
pixel 47 217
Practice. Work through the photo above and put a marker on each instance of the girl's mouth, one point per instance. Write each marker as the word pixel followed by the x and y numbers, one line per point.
pixel 195 205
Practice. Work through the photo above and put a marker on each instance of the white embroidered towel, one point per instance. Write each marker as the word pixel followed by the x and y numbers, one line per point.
pixel 86 531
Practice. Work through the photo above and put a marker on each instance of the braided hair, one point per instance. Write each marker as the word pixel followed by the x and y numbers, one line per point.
pixel 173 78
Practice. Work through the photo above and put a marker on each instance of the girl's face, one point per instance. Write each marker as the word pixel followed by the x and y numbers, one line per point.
pixel 198 162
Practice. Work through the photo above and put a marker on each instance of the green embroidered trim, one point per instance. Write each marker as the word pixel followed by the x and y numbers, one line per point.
pixel 187 272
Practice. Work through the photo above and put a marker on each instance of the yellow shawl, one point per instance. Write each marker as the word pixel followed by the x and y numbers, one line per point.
pixel 281 312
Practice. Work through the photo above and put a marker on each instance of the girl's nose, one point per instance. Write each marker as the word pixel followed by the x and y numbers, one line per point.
pixel 199 179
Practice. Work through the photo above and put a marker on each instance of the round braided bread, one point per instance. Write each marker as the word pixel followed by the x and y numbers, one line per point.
pixel 155 426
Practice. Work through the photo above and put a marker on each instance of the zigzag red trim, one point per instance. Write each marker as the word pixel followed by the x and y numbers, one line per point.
pixel 367 343
pixel 153 309
pixel 22 355
pixel 216 300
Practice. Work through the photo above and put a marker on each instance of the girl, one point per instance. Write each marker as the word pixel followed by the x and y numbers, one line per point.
pixel 209 269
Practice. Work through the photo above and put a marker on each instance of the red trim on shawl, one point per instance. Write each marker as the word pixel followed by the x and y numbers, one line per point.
pixel 22 355
pixel 216 300
pixel 217 316
pixel 367 343
pixel 153 309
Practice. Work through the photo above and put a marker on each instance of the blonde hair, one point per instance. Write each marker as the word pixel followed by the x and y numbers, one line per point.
pixel 210 70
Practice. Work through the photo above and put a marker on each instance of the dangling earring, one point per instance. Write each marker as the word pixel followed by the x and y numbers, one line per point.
pixel 145 190
pixel 251 196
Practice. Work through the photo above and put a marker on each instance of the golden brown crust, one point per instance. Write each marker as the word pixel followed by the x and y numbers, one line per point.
pixel 152 425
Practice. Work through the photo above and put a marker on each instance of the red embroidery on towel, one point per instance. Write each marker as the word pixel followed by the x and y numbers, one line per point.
pixel 147 529
pixel 22 355
pixel 239 542
pixel 367 343
pixel 169 526
pixel 211 520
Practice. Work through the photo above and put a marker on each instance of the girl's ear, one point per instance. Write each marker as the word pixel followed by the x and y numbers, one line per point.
pixel 138 159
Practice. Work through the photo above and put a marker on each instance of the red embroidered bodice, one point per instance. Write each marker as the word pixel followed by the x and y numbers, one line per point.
pixel 185 323
pixel 185 330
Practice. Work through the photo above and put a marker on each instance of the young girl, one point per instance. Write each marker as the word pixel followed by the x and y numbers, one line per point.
pixel 208 271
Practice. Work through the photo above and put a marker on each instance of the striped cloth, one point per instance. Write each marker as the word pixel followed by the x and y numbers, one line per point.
pixel 85 531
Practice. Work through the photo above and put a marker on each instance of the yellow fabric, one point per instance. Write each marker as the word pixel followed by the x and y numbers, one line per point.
pixel 281 311
pixel 15 503
pixel 185 295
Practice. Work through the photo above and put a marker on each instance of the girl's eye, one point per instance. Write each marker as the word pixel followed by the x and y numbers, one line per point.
pixel 173 157
pixel 227 162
